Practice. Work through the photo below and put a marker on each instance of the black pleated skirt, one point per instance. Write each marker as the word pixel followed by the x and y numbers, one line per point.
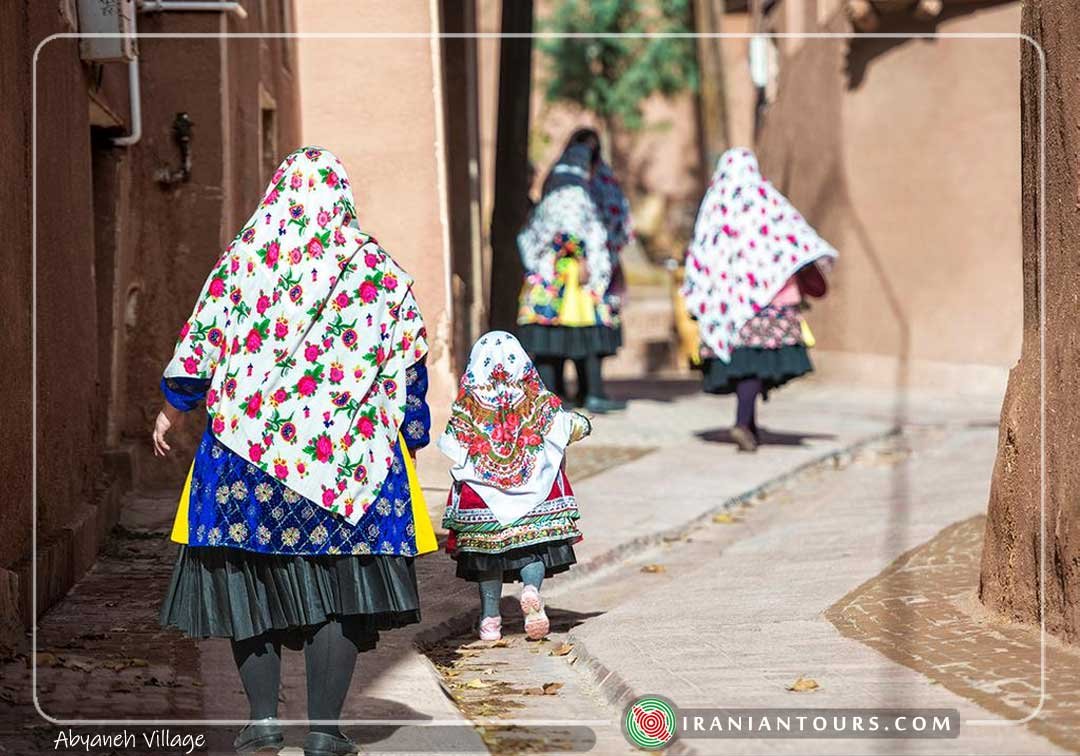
pixel 557 556
pixel 568 342
pixel 223 592
pixel 774 367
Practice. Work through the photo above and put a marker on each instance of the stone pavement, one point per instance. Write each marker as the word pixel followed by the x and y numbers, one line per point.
pixel 644 480
pixel 923 612
pixel 736 611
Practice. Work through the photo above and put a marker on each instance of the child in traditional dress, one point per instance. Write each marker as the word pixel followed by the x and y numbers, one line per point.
pixel 511 513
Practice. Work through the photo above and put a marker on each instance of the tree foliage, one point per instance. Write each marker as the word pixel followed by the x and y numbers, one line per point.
pixel 612 76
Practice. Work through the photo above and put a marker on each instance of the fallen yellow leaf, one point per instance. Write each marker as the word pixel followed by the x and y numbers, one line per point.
pixel 552 688
pixel 803 685
pixel 477 683
pixel 724 518
pixel 45 659
pixel 562 650
pixel 653 568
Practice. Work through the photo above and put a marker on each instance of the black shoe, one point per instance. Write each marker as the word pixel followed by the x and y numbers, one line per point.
pixel 325 744
pixel 744 438
pixel 601 404
pixel 260 736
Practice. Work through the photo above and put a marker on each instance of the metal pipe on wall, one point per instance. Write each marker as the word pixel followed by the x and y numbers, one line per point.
pixel 135 98
pixel 134 89
pixel 166 6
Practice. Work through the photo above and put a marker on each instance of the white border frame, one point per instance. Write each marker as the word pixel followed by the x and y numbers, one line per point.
pixel 432 36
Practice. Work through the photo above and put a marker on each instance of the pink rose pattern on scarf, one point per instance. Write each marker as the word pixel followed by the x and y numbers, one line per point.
pixel 748 241
pixel 305 328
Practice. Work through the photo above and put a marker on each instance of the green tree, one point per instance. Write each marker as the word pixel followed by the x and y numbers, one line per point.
pixel 612 76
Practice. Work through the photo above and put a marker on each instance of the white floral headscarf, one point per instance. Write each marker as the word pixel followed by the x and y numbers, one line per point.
pixel 304 330
pixel 567 207
pixel 748 241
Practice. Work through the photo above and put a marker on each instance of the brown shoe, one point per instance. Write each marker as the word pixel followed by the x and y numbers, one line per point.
pixel 744 438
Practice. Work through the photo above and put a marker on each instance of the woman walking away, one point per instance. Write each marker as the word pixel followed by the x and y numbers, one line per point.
pixel 301 517
pixel 565 311
pixel 614 210
pixel 511 512
pixel 752 260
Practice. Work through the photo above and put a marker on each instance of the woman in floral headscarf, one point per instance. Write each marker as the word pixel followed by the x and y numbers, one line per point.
pixel 511 512
pixel 569 306
pixel 298 516
pixel 752 260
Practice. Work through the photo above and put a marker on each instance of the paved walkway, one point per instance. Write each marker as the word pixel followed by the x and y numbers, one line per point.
pixel 737 612
pixel 644 479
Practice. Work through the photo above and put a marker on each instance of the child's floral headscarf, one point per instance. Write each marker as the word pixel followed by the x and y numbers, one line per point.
pixel 748 241
pixel 507 433
pixel 304 330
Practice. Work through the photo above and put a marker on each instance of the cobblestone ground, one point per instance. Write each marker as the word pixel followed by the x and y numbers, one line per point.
pixel 923 613
pixel 102 654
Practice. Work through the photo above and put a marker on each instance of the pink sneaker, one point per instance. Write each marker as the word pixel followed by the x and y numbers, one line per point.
pixel 490 628
pixel 532 606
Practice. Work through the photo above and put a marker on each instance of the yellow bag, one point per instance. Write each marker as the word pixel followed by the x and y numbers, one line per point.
pixel 807 334
pixel 687 330
pixel 577 305
pixel 425 532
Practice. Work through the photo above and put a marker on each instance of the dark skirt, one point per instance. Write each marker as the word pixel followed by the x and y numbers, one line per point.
pixel 223 592
pixel 774 367
pixel 557 557
pixel 570 343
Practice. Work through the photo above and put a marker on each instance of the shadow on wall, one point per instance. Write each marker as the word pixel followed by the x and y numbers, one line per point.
pixel 862 51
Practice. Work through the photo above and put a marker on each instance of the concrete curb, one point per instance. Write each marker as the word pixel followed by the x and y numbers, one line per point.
pixel 612 686
pixel 622 694
pixel 624 550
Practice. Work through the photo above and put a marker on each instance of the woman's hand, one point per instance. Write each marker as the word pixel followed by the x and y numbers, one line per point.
pixel 583 272
pixel 166 419
pixel 811 281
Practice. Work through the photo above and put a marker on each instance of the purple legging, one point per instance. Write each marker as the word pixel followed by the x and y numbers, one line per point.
pixel 747 391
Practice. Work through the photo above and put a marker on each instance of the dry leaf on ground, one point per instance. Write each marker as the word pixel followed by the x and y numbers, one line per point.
pixel 562 650
pixel 724 518
pixel 803 685
pixel 477 683
pixel 552 688
pixel 654 568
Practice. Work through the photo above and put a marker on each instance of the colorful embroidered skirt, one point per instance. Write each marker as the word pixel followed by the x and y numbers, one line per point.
pixel 482 546
pixel 224 592
pixel 568 342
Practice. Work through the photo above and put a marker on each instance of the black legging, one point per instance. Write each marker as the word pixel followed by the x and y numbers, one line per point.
pixel 551 373
pixel 589 374
pixel 329 660
pixel 747 391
